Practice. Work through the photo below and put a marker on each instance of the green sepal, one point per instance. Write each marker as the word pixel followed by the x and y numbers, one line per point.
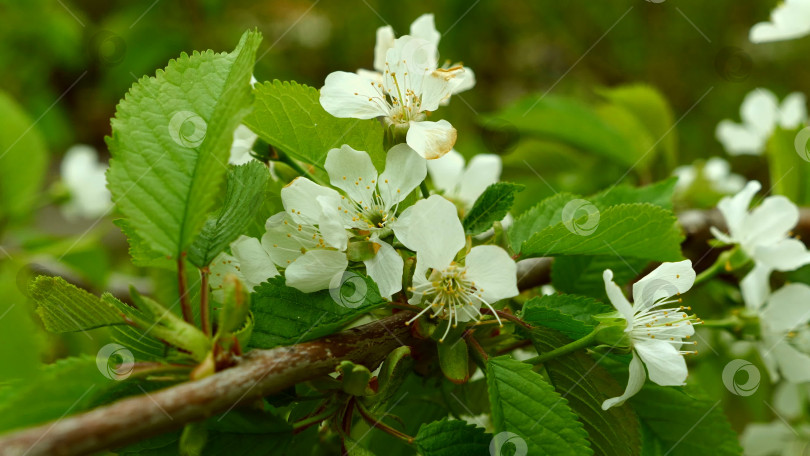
pixel 355 378
pixel 454 358
pixel 392 374
pixel 235 306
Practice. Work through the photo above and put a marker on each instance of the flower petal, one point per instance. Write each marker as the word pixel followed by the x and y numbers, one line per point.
pixel 331 224
pixel 793 364
pixel 254 261
pixel 315 270
pixel 466 81
pixel 755 286
pixel 493 272
pixel 665 281
pixel 739 139
pixel 300 200
pixel 353 172
pixel 482 171
pixel 385 41
pixel 223 265
pixel 284 243
pixel 769 222
pixel 404 171
pixel 787 22
pixel 665 365
pixel 243 140
pixel 788 308
pixel 760 111
pixel 769 439
pixel 617 298
pixel 423 27
pixel 432 229
pixel 793 111
pixel 786 255
pixel 634 383
pixel 431 139
pixel 385 269
pixel 347 94
pixel 735 208
pixel 446 171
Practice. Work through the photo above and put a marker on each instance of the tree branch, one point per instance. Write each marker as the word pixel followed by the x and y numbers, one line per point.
pixel 261 373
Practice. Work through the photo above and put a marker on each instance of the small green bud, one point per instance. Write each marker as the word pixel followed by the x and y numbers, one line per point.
pixel 362 250
pixel 235 307
pixel 355 379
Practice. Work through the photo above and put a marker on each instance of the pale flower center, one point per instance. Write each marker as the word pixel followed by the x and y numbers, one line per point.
pixel 664 324
pixel 373 213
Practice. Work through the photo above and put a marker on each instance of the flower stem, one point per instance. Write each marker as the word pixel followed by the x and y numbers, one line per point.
pixel 314 419
pixel 585 342
pixel 181 289
pixel 205 321
pixel 382 426
pixel 284 158
pixel 423 187
pixel 712 271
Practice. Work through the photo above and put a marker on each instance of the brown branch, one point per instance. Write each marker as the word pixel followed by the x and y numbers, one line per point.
pixel 181 289
pixel 261 373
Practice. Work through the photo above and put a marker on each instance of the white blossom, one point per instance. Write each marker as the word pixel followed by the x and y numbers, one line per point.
pixel 788 21
pixel 716 171
pixel 785 346
pixel 84 176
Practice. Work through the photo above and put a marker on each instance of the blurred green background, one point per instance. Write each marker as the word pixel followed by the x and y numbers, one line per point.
pixel 67 63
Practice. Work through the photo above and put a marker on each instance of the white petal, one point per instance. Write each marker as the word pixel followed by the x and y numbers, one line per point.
pixel 436 86
pixel 404 171
pixel 793 111
pixel 385 269
pixel 419 279
pixel 493 272
pixel 84 176
pixel 766 439
pixel 349 95
pixel 482 171
pixel 769 222
pixel 789 399
pixel 445 172
pixel 665 281
pixel 254 261
pixel 223 265
pixel 410 55
pixel 385 41
pixel 353 172
pixel 466 81
pixel 331 224
pixel 735 208
pixel 786 255
pixel 283 241
pixel 431 139
pixel 424 28
pixel 617 298
pixel 788 21
pixel 300 200
pixel 634 383
pixel 315 270
pixel 793 364
pixel 788 308
pixel 755 286
pixel 739 139
pixel 760 111
pixel 243 140
pixel 432 229
pixel 665 365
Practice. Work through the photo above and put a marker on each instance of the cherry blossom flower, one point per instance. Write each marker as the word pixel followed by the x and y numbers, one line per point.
pixel 788 21
pixel 84 177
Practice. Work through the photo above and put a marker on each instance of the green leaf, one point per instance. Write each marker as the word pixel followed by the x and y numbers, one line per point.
pixel 524 404
pixel 66 387
pixel 66 308
pixel 492 206
pixel 285 315
pixel 23 160
pixel 392 374
pixel 582 274
pixel 451 438
pixel 289 117
pixel 570 122
pixel 684 421
pixel 171 136
pixel 545 214
pixel 627 230
pixel 586 385
pixel 569 314
pixel 244 192
pixel 18 326
pixel 659 194
pixel 454 359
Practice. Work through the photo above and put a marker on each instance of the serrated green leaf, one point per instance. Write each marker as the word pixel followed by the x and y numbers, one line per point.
pixel 582 274
pixel 289 117
pixel 63 388
pixel 23 160
pixel 524 404
pixel 545 214
pixel 659 194
pixel 568 314
pixel 164 175
pixel 244 193
pixel 586 385
pixel 66 308
pixel 285 315
pixel 570 122
pixel 451 438
pixel 626 230
pixel 490 207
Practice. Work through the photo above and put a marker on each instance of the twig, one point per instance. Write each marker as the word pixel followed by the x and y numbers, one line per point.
pixel 181 289
pixel 205 320
pixel 261 373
